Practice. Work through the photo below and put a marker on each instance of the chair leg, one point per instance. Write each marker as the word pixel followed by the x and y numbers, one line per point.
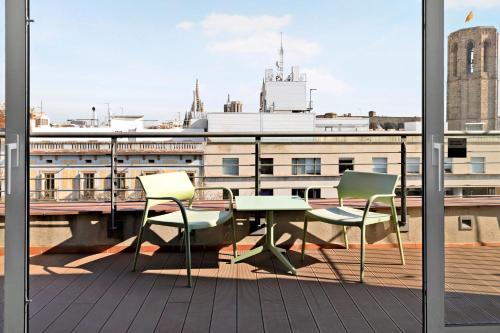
pixel 233 226
pixel 362 264
pixel 304 236
pixel 345 238
pixel 188 257
pixel 182 241
pixel 138 246
pixel 398 234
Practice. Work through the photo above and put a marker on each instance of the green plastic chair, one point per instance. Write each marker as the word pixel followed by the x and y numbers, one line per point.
pixel 359 185
pixel 177 187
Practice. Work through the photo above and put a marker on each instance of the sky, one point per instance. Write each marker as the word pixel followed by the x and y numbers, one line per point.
pixel 144 57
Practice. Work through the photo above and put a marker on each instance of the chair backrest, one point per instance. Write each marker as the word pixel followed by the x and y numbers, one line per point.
pixel 362 185
pixel 169 184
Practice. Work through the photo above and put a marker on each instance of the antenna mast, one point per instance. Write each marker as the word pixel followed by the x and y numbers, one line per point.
pixel 280 69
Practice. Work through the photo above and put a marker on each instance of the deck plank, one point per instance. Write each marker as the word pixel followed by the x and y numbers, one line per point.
pixel 224 315
pixel 105 306
pixel 274 313
pixel 147 317
pixel 129 306
pixel 199 313
pixel 297 308
pixel 325 315
pixel 174 314
pixel 249 311
pixel 352 318
pixel 41 320
pixel 348 268
pixel 74 313
pixel 384 296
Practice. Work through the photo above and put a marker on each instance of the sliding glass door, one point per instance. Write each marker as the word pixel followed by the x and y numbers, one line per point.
pixel 462 154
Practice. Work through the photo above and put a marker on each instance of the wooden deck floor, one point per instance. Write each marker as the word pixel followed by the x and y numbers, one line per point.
pixel 91 293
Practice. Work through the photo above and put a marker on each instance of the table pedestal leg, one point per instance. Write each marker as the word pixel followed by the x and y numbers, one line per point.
pixel 248 254
pixel 278 252
pixel 269 245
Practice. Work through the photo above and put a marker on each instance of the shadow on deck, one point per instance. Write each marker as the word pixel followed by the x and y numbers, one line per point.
pixel 90 293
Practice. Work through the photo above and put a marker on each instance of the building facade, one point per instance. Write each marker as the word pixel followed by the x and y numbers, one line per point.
pixel 472 94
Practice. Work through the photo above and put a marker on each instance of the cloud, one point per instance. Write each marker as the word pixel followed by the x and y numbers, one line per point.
pixel 251 35
pixel 185 25
pixel 216 24
pixel 325 82
pixel 266 43
pixel 471 4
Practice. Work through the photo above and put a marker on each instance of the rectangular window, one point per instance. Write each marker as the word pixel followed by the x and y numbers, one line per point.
pixel 230 166
pixel 413 165
pixel 380 164
pixel 266 166
pixel 471 191
pixel 306 166
pixel 121 184
pixel 267 192
pixel 191 177
pixel 314 193
pixel 88 185
pixel 477 164
pixel 474 126
pixel 345 164
pixel 49 186
pixel 448 165
pixel 235 191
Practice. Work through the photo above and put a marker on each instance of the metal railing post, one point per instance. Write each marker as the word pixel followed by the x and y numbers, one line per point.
pixel 113 175
pixel 255 225
pixel 403 182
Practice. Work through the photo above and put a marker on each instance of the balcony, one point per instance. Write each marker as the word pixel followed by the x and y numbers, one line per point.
pixel 83 229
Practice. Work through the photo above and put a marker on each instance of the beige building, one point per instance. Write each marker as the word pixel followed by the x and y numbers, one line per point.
pixel 81 171
pixel 472 94
pixel 288 168
pixel 233 106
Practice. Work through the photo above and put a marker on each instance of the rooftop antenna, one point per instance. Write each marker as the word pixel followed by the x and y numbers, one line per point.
pixel 93 117
pixel 109 114
pixel 280 67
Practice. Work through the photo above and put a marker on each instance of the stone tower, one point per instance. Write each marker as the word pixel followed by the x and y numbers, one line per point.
pixel 472 94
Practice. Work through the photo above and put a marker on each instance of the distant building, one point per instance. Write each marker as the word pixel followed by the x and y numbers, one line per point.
pixel 197 108
pixel 330 122
pixel 472 95
pixel 233 106
pixel 39 119
pixel 283 94
pixel 391 123
pixel 2 115
pixel 127 123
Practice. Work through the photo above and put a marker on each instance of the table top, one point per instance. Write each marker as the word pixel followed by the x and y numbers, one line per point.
pixel 270 203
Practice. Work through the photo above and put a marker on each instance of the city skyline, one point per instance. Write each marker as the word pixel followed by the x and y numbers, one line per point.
pixel 86 55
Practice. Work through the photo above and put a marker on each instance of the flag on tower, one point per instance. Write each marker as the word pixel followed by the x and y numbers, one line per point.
pixel 469 16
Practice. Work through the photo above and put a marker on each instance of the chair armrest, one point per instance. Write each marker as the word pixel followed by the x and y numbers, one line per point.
pixel 225 189
pixel 177 201
pixel 374 198
pixel 306 195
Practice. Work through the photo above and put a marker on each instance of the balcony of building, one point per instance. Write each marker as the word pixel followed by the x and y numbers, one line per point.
pixel 86 206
